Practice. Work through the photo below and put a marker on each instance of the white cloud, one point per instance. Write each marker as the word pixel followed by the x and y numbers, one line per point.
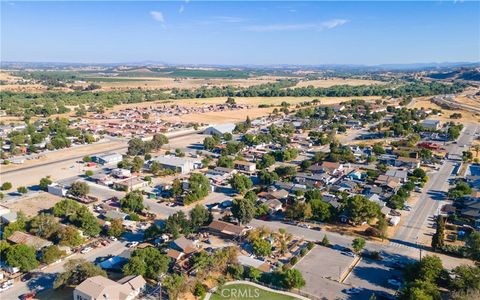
pixel 330 24
pixel 333 23
pixel 158 16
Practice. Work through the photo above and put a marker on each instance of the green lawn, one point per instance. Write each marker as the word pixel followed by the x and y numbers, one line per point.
pixel 246 291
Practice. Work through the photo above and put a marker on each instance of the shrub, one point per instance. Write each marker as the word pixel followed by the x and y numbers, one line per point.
pixel 303 252
pixel 310 245
pixel 294 260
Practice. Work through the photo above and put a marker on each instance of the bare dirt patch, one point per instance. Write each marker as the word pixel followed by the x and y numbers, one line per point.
pixel 32 206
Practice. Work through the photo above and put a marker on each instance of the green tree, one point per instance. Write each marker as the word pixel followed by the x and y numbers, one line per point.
pixel 137 164
pixel 267 178
pixel 253 273
pixel 22 256
pixel 198 188
pixel 22 190
pixel 241 183
pixel 44 183
pixel 358 244
pixel 293 279
pixel 51 254
pixel 225 162
pixel 299 211
pixel 261 247
pixel 44 225
pixel 76 271
pixel 133 202
pixel 135 266
pixel 174 284
pixel 6 186
pixel 68 236
pixel 465 278
pixel 325 241
pixel 361 209
pixel 472 246
pixel 266 161
pixel 438 237
pixel 321 211
pixel 79 189
pixel 209 143
pixel 177 189
pixel 66 208
pixel 18 225
pixel 116 228
pixel 89 173
pixel 243 210
pixel 199 216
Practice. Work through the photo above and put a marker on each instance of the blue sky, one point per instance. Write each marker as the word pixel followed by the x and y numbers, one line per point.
pixel 248 32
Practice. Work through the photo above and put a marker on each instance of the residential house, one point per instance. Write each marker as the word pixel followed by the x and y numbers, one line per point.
pixel 290 187
pixel 245 166
pixel 332 168
pixel 431 124
pixel 400 174
pixel 408 162
pixel 19 237
pixel 130 184
pixel 254 263
pixel 121 173
pixel 102 288
pixel 278 194
pixel 225 229
pixel 184 245
pixel 274 205
pixel 114 214
pixel 314 180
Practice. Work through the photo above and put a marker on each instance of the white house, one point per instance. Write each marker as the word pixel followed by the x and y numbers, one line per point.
pixel 102 288
pixel 57 189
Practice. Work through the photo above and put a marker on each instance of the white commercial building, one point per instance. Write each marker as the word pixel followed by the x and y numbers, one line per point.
pixel 181 165
pixel 220 129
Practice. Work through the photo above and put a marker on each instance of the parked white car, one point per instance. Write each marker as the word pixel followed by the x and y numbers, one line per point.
pixel 86 250
pixel 132 244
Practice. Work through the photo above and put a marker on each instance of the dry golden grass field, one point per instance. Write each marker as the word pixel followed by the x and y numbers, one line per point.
pixel 466 115
pixel 337 81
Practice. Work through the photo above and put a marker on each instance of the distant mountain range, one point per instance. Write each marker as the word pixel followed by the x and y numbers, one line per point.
pixel 413 67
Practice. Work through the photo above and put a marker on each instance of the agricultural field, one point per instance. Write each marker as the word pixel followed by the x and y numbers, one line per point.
pixel 122 83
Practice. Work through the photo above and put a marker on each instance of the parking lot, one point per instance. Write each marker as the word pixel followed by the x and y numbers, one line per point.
pixel 321 268
pixel 372 276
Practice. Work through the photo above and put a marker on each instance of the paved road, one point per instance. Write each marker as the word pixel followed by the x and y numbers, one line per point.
pixel 416 223
pixel 72 158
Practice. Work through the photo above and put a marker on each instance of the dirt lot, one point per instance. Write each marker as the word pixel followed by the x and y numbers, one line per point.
pixel 466 116
pixel 33 205
pixel 337 81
